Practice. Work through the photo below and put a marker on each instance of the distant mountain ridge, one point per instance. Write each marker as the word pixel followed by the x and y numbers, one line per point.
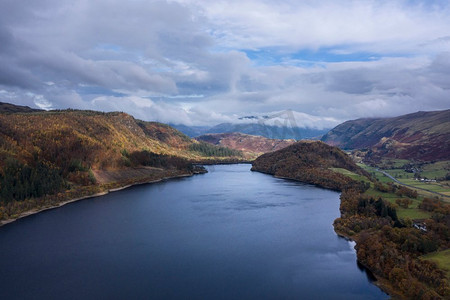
pixel 269 131
pixel 422 136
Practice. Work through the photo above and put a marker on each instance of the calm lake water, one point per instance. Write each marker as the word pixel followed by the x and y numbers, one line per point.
pixel 228 234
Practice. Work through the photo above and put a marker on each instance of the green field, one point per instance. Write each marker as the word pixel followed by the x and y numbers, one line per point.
pixel 376 174
pixel 412 212
pixel 436 170
pixel 430 171
pixel 442 258
pixel 350 174
pixel 430 186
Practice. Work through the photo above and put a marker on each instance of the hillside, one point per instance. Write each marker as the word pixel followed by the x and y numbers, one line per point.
pixel 98 140
pixel 421 136
pixel 50 156
pixel 311 162
pixel 395 248
pixel 244 142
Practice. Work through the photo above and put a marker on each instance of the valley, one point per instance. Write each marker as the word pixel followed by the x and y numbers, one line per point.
pixel 394 206
pixel 185 149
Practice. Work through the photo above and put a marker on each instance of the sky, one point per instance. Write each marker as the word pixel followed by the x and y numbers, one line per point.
pixel 197 62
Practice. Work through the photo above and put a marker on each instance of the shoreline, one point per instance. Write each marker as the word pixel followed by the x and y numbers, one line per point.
pixel 60 204
pixel 379 282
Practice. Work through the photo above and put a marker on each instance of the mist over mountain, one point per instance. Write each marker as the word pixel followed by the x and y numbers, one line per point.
pixel 191 131
pixel 286 124
pixel 271 132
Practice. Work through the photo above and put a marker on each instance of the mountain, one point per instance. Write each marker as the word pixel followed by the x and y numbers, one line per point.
pixel 245 142
pixel 269 131
pixel 11 108
pixel 97 139
pixel 422 136
pixel 50 156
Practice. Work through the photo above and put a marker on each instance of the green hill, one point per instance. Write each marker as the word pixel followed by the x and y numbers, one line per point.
pixel 311 162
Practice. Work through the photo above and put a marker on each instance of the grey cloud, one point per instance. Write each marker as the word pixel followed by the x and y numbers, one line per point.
pixel 350 81
pixel 6 40
pixel 145 42
pixel 214 73
pixel 115 55
pixel 15 76
pixel 440 70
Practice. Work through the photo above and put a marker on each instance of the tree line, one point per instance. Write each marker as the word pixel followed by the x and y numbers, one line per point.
pixel 209 150
pixel 20 181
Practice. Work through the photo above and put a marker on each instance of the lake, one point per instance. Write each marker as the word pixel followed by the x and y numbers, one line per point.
pixel 227 234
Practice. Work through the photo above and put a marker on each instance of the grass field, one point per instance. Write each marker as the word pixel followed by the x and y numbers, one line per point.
pixel 442 258
pixel 350 174
pixel 436 170
pixel 430 186
pixel 412 212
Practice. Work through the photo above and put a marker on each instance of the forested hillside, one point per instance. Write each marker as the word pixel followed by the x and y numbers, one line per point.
pixel 63 153
pixel 310 162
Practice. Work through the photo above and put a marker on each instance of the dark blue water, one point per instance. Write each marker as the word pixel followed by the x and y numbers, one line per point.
pixel 228 234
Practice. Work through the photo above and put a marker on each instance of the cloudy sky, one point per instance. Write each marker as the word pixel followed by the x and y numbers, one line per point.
pixel 199 62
